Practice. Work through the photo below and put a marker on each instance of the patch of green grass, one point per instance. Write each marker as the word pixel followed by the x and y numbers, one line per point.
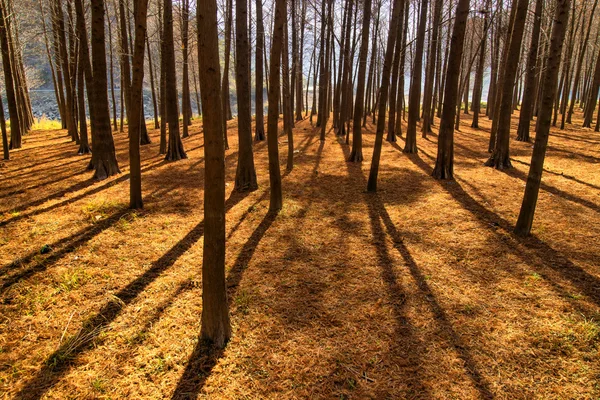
pixel 99 209
pixel 72 280
pixel 98 385
pixel 242 301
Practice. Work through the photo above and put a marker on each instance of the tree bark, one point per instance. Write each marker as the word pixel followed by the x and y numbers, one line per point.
pixel 216 325
pixel 356 154
pixel 500 158
pixel 259 95
pixel 175 149
pixel 245 177
pixel 549 85
pixel 444 163
pixel 276 198
pixel 104 161
pixel 385 82
pixel 414 102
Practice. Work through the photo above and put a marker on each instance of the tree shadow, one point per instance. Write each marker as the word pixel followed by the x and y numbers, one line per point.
pixel 71 200
pixel 70 244
pixel 562 175
pixel 42 184
pixel 378 215
pixel 550 260
pixel 571 154
pixel 479 381
pixel 61 361
pixel 204 357
pixel 515 173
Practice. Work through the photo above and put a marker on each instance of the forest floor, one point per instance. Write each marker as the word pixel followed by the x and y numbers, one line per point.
pixel 418 291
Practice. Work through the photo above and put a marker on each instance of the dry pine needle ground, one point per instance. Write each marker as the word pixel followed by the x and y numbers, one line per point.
pixel 419 291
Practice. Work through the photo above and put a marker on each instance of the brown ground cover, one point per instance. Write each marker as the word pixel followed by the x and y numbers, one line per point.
pixel 419 291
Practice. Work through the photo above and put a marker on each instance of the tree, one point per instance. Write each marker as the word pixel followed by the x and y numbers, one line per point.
pixel 245 177
pixel 549 89
pixel 356 153
pixel 478 84
pixel 276 198
pixel 86 74
pixel 66 69
pixel 104 161
pixel 15 123
pixel 216 325
pixel 444 163
pixel 186 107
pixel 383 93
pixel 527 108
pixel 5 152
pixel 500 158
pixel 135 181
pixel 260 103
pixel 175 149
pixel 414 97
pixel 84 145
pixel 430 72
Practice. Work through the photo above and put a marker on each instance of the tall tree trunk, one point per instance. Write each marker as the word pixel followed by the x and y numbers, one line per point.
pixel 185 81
pixel 135 172
pixel 431 61
pixel 287 98
pixel 245 177
pixel 414 102
pixel 5 150
pixel 580 63
pixel 84 145
pixel 590 106
pixel 64 57
pixel 549 83
pixel 356 154
pixel 216 325
pixel 478 84
pixel 527 109
pixel 112 76
pixel 444 164
pixel 500 158
pixel 175 149
pixel 276 198
pixel 104 161
pixel 259 95
pixel 385 83
pixel 152 86
pixel 15 123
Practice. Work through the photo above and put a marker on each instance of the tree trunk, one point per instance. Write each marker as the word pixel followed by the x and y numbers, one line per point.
pixel 385 82
pixel 429 77
pixel 414 102
pixel 276 198
pixel 135 172
pixel 549 84
pixel 259 95
pixel 245 177
pixel 152 86
pixel 15 125
pixel 500 158
pixel 527 109
pixel 175 149
pixel 444 164
pixel 104 161
pixel 478 84
pixel 216 325
pixel 356 154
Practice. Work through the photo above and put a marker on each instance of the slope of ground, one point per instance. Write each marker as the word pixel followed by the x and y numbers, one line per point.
pixel 418 291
